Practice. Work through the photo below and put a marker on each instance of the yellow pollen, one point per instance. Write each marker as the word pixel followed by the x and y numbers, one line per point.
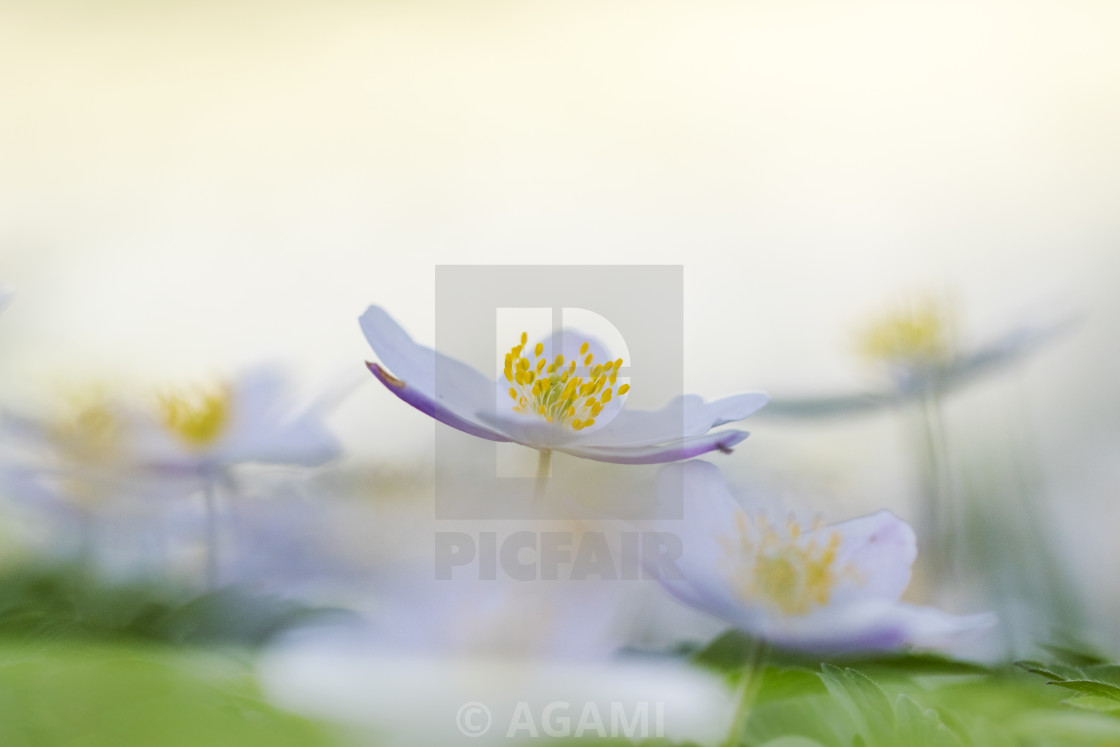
pixel 92 433
pixel 624 389
pixel 919 332
pixel 782 569
pixel 199 417
pixel 560 392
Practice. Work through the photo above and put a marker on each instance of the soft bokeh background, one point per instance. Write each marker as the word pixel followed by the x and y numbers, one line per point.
pixel 188 187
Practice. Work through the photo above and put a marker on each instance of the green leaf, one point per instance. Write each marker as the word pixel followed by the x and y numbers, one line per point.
pixel 864 701
pixel 780 684
pixel 728 652
pixel 1094 703
pixel 1078 655
pixel 1037 667
pixel 1109 673
pixel 792 741
pixel 921 663
pixel 1091 687
pixel 817 718
pixel 920 727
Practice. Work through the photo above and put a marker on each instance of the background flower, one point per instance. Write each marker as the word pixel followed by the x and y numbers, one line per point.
pixel 827 588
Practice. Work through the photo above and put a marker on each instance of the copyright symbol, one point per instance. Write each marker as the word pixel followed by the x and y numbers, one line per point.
pixel 473 719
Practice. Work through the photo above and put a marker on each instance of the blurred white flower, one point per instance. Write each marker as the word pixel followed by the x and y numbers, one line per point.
pixel 819 588
pixel 514 646
pixel 249 420
pixel 407 701
pixel 920 347
pixel 553 396
pixel 196 430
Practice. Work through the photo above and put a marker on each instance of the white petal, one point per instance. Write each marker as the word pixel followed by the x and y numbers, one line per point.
pixel 874 558
pixel 709 512
pixel 685 416
pixel 674 451
pixel 926 627
pixel 424 700
pixel 444 382
pixel 525 428
pixel 875 626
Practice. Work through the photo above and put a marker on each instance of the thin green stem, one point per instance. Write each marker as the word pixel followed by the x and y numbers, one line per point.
pixel 544 469
pixel 745 693
pixel 211 503
pixel 939 510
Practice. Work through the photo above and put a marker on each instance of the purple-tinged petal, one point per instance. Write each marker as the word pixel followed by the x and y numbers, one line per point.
pixel 876 625
pixel 458 389
pixel 427 405
pixel 684 417
pixel 927 627
pixel 685 448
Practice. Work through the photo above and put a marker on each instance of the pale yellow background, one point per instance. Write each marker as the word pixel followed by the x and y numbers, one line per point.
pixel 189 187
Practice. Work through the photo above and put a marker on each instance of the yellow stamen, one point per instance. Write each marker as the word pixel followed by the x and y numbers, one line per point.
pixel 919 332
pixel 556 391
pixel 780 569
pixel 197 417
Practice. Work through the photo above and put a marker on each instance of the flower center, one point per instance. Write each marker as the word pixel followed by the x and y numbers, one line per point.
pixel 197 417
pixel 780 569
pixel 92 434
pixel 920 332
pixel 554 391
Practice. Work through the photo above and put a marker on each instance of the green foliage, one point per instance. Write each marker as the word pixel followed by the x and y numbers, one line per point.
pixel 921 701
pixel 70 602
pixel 114 695
pixel 1096 682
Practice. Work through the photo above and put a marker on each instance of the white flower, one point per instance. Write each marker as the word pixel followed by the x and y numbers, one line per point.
pixel 562 394
pixel 195 430
pixel 919 347
pixel 250 419
pixel 820 588
pixel 404 700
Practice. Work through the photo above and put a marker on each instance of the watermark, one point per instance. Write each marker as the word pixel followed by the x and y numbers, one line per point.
pixel 566 719
pixel 634 314
pixel 554 556
pixel 473 719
